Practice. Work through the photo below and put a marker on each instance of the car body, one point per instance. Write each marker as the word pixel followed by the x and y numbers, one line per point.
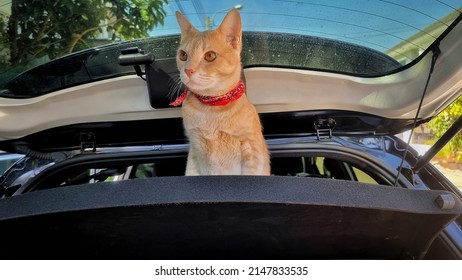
pixel 103 171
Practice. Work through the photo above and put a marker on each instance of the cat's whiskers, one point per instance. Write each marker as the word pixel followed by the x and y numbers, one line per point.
pixel 175 86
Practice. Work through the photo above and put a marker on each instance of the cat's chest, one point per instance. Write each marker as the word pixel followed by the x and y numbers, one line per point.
pixel 210 121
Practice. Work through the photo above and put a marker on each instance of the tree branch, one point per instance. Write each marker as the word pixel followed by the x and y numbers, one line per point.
pixel 76 37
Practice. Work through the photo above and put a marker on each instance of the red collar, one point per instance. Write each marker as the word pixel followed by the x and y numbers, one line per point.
pixel 221 100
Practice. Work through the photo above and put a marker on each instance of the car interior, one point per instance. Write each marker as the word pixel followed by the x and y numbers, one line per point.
pixel 142 168
pixel 319 205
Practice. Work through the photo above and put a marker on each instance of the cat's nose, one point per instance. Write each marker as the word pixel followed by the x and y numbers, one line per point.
pixel 189 72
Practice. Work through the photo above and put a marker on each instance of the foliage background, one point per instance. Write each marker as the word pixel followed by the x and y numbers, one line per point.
pixel 49 29
pixel 440 125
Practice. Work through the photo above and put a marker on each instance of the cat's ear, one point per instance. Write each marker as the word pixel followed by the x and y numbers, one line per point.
pixel 231 28
pixel 186 27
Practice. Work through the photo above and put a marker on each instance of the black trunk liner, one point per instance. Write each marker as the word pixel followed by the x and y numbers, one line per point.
pixel 222 217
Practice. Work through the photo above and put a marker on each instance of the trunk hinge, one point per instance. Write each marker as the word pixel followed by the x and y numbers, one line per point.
pixel 324 128
pixel 409 174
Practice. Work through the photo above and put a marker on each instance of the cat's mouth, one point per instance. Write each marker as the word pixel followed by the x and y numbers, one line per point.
pixel 192 81
pixel 199 86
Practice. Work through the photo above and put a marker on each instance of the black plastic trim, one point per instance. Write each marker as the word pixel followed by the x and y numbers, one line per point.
pixel 224 217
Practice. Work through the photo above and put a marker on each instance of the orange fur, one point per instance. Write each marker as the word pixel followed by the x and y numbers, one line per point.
pixel 225 140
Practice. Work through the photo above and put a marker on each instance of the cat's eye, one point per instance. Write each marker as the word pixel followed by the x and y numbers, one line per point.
pixel 210 56
pixel 182 55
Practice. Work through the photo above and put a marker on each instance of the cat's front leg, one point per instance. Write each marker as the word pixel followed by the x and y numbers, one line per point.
pixel 192 166
pixel 255 161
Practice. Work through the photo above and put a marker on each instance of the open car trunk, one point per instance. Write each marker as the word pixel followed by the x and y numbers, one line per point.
pixel 224 217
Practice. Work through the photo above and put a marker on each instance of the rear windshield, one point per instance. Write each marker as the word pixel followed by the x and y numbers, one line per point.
pixel 259 49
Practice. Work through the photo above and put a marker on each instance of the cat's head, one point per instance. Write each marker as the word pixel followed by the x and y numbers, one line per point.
pixel 209 62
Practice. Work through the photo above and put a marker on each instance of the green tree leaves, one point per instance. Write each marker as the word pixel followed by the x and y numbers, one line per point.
pixel 443 121
pixel 52 28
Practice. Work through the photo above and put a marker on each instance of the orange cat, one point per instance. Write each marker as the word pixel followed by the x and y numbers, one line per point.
pixel 223 127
